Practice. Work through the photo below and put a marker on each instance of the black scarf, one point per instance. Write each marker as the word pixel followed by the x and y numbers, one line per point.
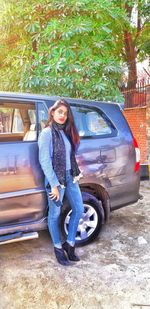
pixel 59 154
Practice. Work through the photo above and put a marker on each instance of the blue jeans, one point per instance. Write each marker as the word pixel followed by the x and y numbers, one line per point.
pixel 74 197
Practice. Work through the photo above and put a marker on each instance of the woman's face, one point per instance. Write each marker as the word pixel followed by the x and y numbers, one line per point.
pixel 60 114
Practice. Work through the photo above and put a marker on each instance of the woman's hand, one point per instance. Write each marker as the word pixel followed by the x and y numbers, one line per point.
pixel 54 194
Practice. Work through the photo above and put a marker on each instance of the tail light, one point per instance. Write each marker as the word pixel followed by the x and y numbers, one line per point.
pixel 137 155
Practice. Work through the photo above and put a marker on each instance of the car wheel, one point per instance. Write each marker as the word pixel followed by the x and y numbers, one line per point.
pixel 90 223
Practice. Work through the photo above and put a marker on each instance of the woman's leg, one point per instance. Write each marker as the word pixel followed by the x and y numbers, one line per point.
pixel 53 226
pixel 53 219
pixel 74 197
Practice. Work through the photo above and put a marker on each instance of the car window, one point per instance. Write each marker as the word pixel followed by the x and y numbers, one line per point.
pixel 90 122
pixel 17 122
pixel 42 115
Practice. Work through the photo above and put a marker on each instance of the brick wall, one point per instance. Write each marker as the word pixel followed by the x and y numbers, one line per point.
pixel 136 118
pixel 148 123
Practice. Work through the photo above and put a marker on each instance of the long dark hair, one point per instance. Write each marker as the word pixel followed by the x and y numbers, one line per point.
pixel 70 128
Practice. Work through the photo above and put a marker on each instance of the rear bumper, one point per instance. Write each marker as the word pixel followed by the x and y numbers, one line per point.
pixel 125 194
pixel 140 197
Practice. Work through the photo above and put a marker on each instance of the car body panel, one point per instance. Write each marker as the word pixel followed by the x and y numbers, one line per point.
pixel 107 161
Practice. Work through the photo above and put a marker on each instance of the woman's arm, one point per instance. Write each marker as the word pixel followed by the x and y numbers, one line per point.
pixel 45 152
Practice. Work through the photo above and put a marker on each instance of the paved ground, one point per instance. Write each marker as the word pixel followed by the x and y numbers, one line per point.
pixel 114 271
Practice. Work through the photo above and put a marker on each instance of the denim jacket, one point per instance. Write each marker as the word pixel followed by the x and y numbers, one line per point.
pixel 45 157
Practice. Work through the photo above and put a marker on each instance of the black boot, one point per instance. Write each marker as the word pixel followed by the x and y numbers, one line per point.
pixel 61 257
pixel 70 250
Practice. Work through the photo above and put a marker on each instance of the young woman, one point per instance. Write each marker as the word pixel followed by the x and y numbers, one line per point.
pixel 57 145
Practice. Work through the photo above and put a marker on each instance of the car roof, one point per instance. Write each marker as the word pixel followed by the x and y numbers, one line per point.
pixel 33 96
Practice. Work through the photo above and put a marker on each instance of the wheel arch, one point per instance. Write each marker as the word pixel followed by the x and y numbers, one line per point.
pixel 100 193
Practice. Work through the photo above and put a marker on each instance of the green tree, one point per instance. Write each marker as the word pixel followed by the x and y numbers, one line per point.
pixel 136 38
pixel 72 48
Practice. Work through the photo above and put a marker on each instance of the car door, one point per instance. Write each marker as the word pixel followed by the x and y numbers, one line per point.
pixel 21 179
pixel 97 152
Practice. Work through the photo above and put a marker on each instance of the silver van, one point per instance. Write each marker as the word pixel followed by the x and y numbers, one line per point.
pixel 108 157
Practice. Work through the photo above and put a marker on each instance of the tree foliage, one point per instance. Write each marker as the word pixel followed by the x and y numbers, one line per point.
pixel 135 35
pixel 70 47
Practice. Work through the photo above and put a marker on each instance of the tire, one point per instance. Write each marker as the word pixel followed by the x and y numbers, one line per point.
pixel 90 223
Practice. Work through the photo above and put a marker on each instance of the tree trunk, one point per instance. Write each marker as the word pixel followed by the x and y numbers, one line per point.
pixel 34 45
pixel 131 55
